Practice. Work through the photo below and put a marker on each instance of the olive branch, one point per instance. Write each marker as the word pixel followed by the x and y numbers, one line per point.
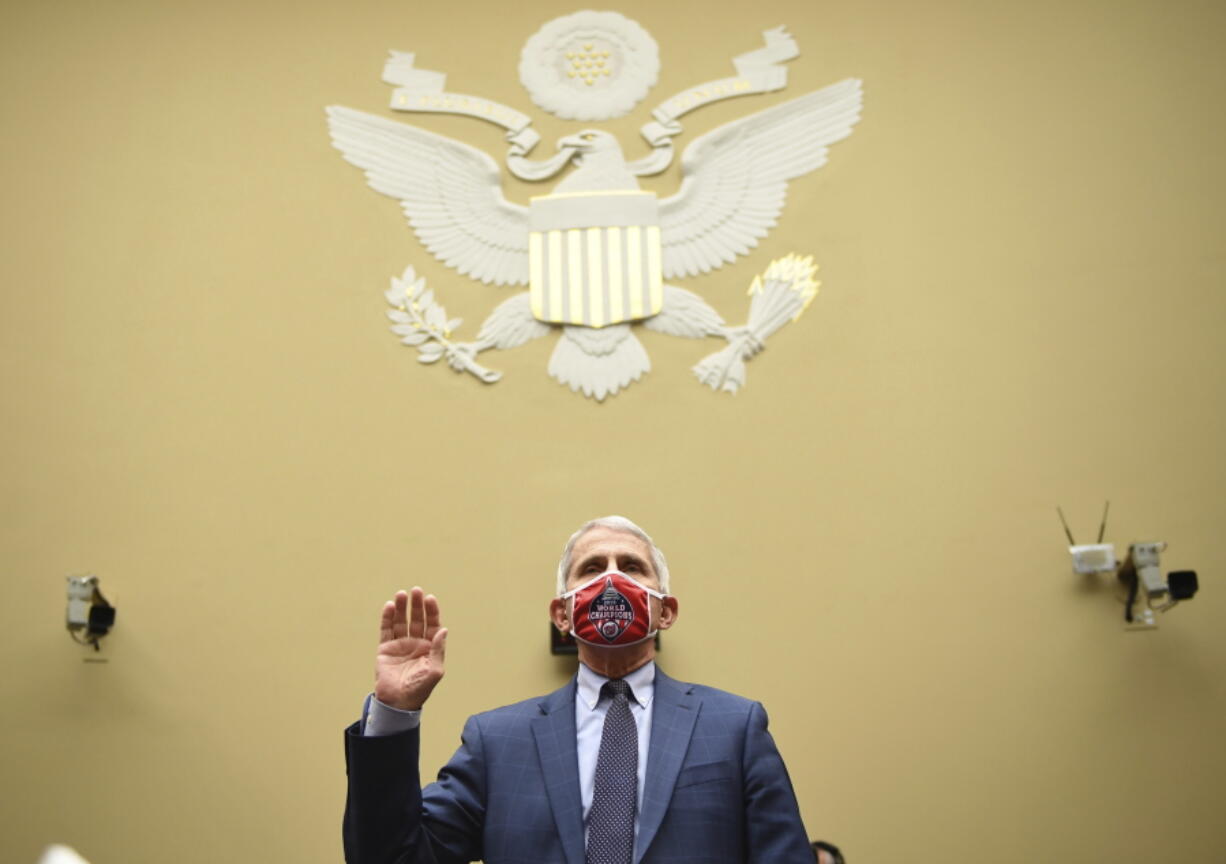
pixel 421 322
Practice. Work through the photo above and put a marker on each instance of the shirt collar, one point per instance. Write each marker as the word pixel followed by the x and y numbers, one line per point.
pixel 642 683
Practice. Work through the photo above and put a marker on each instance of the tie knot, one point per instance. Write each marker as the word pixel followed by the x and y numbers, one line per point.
pixel 616 688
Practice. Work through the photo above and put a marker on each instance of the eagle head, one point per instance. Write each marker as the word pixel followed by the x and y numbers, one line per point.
pixel 590 141
pixel 598 161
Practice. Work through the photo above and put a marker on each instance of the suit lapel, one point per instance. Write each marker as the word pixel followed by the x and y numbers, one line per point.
pixel 554 731
pixel 674 710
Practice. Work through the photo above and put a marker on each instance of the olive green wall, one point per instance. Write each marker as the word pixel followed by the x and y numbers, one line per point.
pixel 1021 307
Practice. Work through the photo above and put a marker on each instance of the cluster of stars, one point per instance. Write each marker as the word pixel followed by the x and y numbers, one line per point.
pixel 588 63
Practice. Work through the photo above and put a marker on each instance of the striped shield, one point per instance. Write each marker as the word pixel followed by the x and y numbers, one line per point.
pixel 594 257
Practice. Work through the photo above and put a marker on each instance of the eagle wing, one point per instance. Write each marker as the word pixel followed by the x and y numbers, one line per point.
pixel 685 314
pixel 512 324
pixel 735 177
pixel 450 193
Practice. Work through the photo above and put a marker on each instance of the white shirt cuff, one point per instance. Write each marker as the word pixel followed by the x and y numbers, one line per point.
pixel 383 719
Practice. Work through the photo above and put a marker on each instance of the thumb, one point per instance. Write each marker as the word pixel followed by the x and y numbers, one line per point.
pixel 438 645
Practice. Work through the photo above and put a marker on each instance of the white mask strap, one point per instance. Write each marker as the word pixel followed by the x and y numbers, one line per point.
pixel 573 591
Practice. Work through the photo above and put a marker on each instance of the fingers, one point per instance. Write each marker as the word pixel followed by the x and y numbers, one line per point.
pixel 391 621
pixel 400 619
pixel 432 616
pixel 410 613
pixel 438 647
pixel 385 622
pixel 417 613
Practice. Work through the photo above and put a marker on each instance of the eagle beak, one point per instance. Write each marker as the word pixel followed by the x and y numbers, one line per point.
pixel 581 141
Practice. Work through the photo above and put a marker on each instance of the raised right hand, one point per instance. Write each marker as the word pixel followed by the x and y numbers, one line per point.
pixel 411 650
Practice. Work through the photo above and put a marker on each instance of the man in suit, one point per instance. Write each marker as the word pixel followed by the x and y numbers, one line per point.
pixel 623 765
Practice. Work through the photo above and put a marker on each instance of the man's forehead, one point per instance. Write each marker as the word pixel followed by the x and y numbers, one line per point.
pixel 605 541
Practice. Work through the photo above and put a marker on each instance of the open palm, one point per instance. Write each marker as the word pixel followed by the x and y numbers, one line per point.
pixel 412 645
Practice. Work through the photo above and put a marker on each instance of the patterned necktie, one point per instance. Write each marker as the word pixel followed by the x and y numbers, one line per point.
pixel 610 823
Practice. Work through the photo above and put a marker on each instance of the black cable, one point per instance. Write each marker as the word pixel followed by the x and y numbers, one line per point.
pixel 1132 597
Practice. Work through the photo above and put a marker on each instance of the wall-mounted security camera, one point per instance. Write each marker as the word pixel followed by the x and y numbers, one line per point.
pixel 1140 573
pixel 90 616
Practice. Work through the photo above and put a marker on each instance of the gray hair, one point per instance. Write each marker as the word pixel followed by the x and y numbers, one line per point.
pixel 615 523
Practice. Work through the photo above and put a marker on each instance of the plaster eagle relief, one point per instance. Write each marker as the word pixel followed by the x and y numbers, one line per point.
pixel 597 251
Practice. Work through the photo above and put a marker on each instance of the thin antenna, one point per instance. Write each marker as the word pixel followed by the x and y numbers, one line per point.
pixel 1067 532
pixel 1103 527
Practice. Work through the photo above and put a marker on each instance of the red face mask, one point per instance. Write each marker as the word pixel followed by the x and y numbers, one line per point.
pixel 611 609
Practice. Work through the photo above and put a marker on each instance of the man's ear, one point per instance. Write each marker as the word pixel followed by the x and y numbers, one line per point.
pixel 668 612
pixel 557 614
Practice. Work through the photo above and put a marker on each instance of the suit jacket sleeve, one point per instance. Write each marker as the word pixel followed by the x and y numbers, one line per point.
pixel 773 827
pixel 389 819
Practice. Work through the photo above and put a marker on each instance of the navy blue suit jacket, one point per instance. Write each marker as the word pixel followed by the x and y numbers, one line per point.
pixel 716 789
